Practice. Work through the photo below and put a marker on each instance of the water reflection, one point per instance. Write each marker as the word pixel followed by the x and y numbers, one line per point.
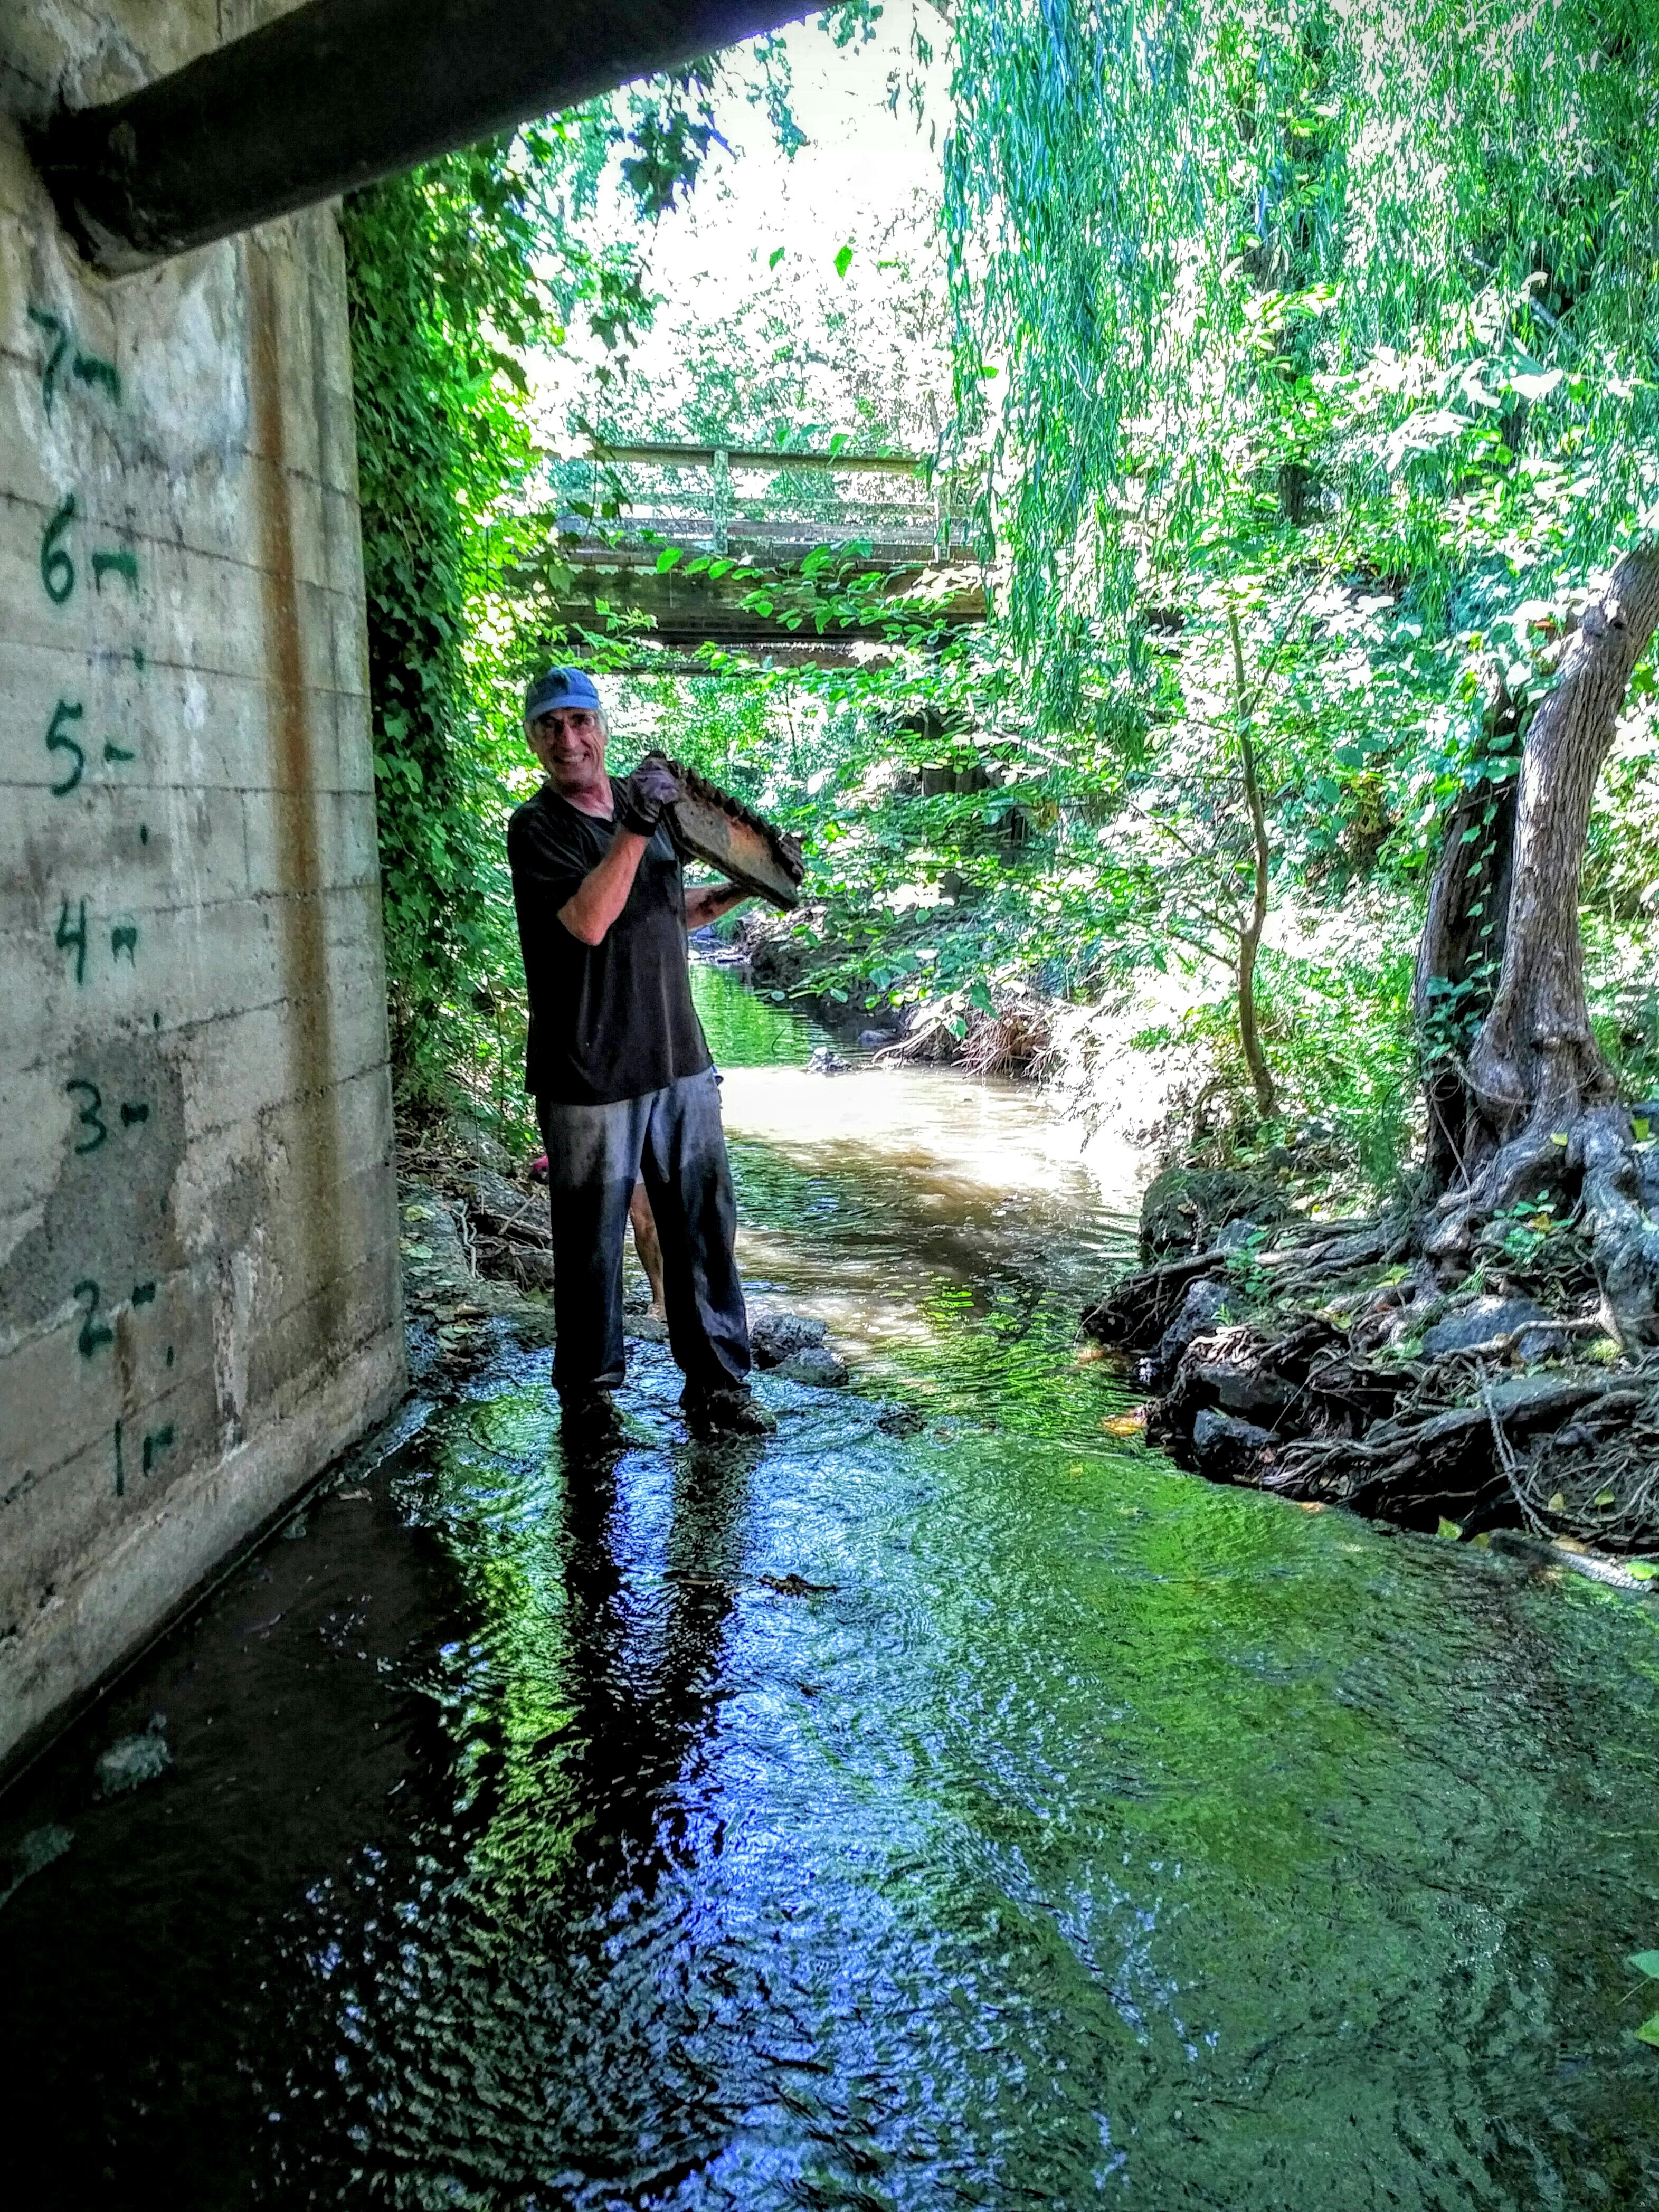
pixel 950 1809
pixel 643 1656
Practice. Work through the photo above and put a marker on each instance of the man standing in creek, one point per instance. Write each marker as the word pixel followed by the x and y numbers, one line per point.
pixel 620 1070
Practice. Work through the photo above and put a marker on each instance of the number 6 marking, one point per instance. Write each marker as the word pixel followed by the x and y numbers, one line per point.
pixel 57 569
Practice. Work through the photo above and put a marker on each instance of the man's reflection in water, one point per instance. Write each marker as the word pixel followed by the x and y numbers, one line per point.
pixel 560 1949
pixel 644 1650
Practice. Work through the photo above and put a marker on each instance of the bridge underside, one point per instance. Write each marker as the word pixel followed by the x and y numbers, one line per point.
pixel 763 605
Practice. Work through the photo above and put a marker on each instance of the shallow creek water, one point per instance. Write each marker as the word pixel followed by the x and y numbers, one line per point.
pixel 1082 1833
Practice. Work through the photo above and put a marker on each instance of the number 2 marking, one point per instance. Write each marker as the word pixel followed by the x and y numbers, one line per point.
pixel 93 1334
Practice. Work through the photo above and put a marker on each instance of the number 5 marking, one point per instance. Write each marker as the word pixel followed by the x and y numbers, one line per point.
pixel 59 740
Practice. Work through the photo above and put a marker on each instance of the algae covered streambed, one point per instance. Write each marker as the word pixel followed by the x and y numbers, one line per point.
pixel 944 1804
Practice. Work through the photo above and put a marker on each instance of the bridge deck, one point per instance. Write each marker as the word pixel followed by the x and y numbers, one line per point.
pixel 603 575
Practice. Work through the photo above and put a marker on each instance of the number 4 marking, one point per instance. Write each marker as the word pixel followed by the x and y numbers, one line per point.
pixel 77 937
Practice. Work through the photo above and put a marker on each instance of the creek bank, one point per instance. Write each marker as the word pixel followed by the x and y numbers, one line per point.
pixel 1328 1362
pixel 1015 1035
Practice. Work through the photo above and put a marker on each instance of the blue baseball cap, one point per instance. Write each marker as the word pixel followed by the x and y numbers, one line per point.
pixel 559 687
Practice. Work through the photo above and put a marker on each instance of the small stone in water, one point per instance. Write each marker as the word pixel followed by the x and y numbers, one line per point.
pixel 817 1365
pixel 37 1850
pixel 772 1336
pixel 134 1760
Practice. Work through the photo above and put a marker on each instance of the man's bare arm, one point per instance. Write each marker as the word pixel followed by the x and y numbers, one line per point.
pixel 710 900
pixel 602 894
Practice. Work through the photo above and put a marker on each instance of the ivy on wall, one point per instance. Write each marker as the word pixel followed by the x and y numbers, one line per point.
pixel 453 271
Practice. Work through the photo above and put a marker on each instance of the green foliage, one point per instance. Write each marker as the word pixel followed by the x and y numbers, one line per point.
pixel 1264 316
pixel 1329 247
pixel 444 295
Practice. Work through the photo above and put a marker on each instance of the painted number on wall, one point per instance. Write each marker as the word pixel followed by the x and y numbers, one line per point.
pixel 68 368
pixel 57 567
pixel 88 368
pixel 135 1112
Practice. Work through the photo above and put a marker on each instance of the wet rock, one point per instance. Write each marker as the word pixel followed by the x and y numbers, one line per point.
pixel 1237 1235
pixel 648 1329
pixel 37 1850
pixel 817 1365
pixel 1239 1387
pixel 775 1337
pixel 872 1040
pixel 1184 1209
pixel 479 1143
pixel 1197 1315
pixel 1494 1321
pixel 501 1203
pixel 826 1062
pixel 533 1270
pixel 134 1760
pixel 1226 1448
pixel 1647 1153
pixel 900 1420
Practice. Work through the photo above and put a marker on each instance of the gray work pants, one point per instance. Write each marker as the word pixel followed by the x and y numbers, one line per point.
pixel 595 1155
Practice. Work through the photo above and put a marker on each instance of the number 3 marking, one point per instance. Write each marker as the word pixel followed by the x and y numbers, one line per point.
pixel 91 1116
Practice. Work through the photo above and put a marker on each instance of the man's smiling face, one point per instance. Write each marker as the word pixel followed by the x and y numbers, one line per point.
pixel 569 742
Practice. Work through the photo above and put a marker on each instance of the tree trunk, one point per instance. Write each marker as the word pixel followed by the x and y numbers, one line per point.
pixel 1457 965
pixel 1250 937
pixel 1535 1064
pixel 1546 1115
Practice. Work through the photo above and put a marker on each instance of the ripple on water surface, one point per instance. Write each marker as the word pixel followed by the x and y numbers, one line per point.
pixel 1081 1832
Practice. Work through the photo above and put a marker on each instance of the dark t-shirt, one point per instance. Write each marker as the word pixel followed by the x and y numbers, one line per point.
pixel 612 1020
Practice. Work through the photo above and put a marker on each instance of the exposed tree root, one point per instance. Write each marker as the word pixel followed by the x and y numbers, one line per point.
pixel 1332 1364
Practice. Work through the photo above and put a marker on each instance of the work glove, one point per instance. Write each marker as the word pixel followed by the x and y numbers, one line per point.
pixel 641 800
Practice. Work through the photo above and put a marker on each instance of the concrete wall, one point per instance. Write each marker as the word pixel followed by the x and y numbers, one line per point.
pixel 198 1274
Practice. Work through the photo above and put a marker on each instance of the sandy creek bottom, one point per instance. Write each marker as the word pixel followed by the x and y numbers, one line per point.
pixel 1085 1834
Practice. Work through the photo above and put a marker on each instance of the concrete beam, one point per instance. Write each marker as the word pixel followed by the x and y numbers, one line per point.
pixel 338 93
